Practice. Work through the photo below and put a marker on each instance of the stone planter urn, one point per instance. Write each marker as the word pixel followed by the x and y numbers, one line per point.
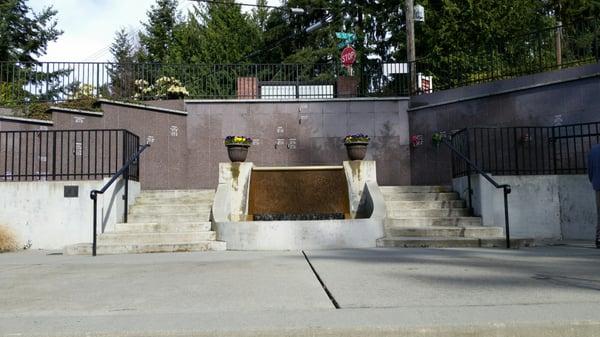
pixel 237 148
pixel 356 150
pixel 356 146
pixel 237 153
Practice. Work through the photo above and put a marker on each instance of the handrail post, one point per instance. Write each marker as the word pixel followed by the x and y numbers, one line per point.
pixel 470 191
pixel 94 197
pixel 126 194
pixel 506 221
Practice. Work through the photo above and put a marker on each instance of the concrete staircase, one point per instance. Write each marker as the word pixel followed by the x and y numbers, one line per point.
pixel 164 221
pixel 433 216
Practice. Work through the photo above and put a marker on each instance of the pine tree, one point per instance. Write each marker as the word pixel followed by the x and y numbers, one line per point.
pixel 260 15
pixel 228 35
pixel 157 38
pixel 121 72
pixel 24 34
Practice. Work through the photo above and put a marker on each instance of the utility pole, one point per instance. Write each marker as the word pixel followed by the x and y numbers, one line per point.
pixel 410 45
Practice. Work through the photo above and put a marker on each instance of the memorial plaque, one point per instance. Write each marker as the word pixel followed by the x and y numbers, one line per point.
pixel 71 191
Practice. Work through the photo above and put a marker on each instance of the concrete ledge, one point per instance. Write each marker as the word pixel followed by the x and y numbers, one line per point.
pixel 142 106
pixel 296 100
pixel 298 235
pixel 26 120
pixel 76 111
pixel 296 168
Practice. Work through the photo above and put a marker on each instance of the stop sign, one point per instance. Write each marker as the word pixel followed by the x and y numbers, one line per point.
pixel 348 56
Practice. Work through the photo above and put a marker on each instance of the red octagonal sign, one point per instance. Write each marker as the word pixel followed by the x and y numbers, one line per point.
pixel 348 56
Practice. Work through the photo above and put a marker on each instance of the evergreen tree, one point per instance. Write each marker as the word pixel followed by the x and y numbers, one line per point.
pixel 260 15
pixel 24 34
pixel 157 38
pixel 121 72
pixel 227 34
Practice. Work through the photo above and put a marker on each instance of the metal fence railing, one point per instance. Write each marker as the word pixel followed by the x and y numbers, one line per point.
pixel 59 81
pixel 66 154
pixel 526 150
pixel 547 49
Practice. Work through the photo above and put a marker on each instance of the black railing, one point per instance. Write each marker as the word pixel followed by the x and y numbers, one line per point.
pixel 59 81
pixel 458 156
pixel 527 150
pixel 130 162
pixel 65 154
pixel 547 49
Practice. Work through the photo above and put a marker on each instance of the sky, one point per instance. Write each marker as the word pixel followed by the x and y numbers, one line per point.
pixel 89 25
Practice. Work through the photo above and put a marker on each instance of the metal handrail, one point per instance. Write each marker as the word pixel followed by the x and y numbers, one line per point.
pixel 506 188
pixel 124 171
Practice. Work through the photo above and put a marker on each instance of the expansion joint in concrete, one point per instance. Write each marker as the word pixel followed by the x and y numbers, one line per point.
pixel 329 294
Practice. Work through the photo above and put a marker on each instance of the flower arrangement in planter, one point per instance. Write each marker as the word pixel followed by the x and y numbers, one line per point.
pixel 416 140
pixel 356 146
pixel 437 138
pixel 237 148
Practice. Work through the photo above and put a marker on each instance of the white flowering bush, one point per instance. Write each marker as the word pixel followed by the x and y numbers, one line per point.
pixel 83 91
pixel 143 89
pixel 163 88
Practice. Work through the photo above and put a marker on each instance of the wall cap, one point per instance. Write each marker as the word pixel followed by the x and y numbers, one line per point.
pixel 26 120
pixel 142 106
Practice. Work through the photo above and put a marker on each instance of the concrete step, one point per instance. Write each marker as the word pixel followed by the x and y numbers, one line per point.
pixel 86 248
pixel 441 231
pixel 425 222
pixel 177 193
pixel 399 204
pixel 420 196
pixel 175 208
pixel 500 242
pixel 167 219
pixel 151 201
pixel 153 227
pixel 423 213
pixel 166 211
pixel 455 242
pixel 427 242
pixel 415 189
pixel 155 238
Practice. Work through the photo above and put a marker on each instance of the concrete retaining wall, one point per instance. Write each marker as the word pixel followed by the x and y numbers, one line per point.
pixel 540 207
pixel 43 218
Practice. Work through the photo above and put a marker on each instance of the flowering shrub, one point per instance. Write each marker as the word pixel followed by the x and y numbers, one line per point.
pixel 83 91
pixel 169 87
pixel 358 138
pixel 164 87
pixel 143 89
pixel 238 140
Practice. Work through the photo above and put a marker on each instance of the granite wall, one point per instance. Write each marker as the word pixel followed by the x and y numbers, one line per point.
pixel 187 146
pixel 553 98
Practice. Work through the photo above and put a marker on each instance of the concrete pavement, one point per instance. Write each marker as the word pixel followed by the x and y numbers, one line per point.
pixel 544 291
